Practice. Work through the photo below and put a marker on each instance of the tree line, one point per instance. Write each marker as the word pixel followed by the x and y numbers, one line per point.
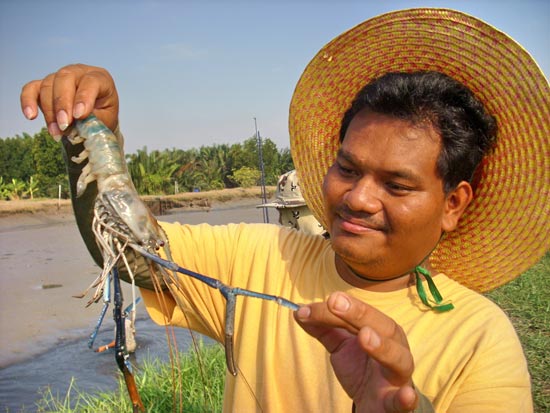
pixel 33 166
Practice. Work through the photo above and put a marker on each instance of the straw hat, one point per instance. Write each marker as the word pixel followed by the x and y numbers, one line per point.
pixel 506 228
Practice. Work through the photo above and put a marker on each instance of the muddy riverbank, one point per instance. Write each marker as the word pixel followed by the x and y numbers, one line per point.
pixel 43 264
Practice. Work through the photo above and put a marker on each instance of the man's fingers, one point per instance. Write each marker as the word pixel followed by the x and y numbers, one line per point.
pixel 321 315
pixel 331 338
pixel 341 310
pixel 63 93
pixel 401 400
pixel 73 92
pixel 97 92
pixel 29 99
pixel 377 334
pixel 391 353
pixel 45 101
pixel 39 93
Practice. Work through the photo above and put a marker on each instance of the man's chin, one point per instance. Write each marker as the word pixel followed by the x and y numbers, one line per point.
pixel 351 251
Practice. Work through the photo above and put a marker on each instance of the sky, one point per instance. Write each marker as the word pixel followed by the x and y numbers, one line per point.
pixel 194 73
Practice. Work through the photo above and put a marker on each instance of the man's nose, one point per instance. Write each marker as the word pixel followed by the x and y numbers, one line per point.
pixel 364 195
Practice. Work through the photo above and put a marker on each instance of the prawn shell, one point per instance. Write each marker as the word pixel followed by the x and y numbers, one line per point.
pixel 129 209
pixel 116 192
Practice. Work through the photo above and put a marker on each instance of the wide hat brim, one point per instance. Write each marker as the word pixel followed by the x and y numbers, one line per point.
pixel 506 228
pixel 282 204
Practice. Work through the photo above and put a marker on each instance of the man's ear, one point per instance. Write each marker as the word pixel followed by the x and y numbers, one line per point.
pixel 456 202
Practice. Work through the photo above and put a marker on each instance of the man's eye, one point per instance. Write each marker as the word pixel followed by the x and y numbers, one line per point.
pixel 345 171
pixel 397 187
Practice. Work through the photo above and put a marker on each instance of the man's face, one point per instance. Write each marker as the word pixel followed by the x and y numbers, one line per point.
pixel 384 202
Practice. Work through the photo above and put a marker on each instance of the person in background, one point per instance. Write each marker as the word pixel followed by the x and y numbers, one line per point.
pixel 291 206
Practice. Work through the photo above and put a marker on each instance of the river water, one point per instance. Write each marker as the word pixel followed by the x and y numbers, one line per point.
pixel 44 332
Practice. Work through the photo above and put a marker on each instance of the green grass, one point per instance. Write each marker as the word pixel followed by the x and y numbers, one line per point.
pixel 193 393
pixel 526 300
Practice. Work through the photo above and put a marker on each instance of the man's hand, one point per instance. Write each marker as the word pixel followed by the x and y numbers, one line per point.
pixel 369 352
pixel 73 92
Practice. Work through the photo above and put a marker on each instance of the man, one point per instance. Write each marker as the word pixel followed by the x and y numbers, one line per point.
pixel 374 123
pixel 291 206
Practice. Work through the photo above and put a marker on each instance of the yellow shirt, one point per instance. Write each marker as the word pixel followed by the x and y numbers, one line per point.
pixel 466 360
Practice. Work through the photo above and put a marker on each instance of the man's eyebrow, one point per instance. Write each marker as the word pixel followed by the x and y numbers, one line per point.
pixel 404 173
pixel 348 156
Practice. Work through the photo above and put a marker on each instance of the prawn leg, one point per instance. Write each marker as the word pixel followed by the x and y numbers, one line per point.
pixel 106 301
pixel 230 294
pixel 121 355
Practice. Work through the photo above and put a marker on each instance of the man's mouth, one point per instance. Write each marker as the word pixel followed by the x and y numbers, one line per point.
pixel 358 223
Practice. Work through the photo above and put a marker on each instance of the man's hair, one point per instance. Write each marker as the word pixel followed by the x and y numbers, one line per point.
pixel 467 131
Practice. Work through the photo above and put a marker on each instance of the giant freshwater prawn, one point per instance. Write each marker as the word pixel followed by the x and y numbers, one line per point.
pixel 126 231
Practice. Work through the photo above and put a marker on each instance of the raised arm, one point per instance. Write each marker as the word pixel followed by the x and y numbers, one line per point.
pixel 72 93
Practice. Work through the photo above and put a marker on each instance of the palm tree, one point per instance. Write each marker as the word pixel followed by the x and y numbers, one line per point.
pixel 152 173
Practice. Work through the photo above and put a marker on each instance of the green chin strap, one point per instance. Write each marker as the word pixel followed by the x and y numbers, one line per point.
pixel 436 302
